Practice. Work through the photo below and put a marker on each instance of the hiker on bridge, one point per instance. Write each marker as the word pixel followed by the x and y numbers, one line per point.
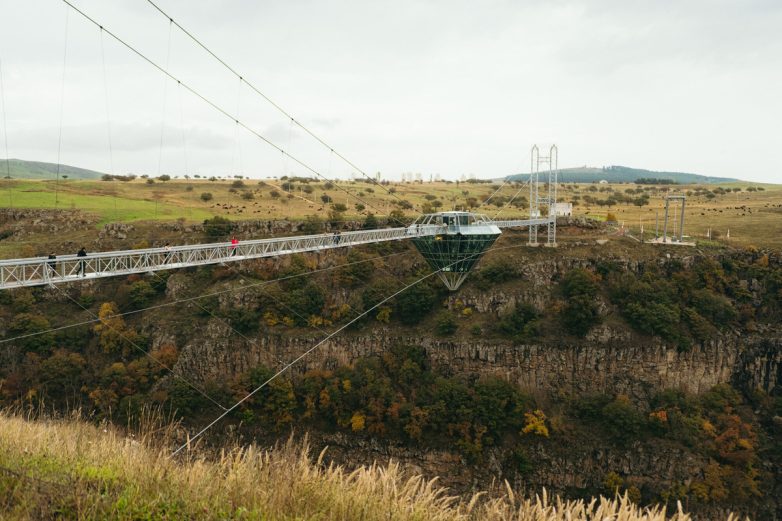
pixel 82 263
pixel 52 263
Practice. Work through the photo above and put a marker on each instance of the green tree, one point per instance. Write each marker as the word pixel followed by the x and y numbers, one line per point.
pixel 521 322
pixel 415 303
pixel 62 375
pixel 305 302
pixel 113 334
pixel 623 420
pixel 275 404
pixel 446 324
pixel 140 294
pixel 370 222
pixel 581 312
pixel 23 324
pixel 218 227
pixel 312 225
pixel 357 271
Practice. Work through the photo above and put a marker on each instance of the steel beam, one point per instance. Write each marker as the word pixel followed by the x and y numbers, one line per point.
pixel 39 271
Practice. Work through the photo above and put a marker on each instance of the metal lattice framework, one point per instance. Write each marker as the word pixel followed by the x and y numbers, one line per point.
pixel 549 193
pixel 38 271
pixel 683 200
pixel 41 270
pixel 454 251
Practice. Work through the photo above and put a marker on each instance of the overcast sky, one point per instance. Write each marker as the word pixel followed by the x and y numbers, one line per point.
pixel 444 87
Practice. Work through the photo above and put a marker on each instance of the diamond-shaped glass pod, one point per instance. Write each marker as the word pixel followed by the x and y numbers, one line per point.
pixel 460 239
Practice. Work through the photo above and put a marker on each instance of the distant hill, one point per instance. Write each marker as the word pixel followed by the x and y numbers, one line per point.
pixel 624 174
pixel 21 169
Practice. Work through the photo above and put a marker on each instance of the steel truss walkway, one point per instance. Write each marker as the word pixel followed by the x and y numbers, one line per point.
pixel 38 271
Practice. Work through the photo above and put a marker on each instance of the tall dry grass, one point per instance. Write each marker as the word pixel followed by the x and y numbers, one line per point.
pixel 72 469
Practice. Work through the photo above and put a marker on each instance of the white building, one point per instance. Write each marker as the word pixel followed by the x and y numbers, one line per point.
pixel 563 209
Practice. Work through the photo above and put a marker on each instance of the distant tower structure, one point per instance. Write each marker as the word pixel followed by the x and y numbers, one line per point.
pixel 547 167
pixel 680 236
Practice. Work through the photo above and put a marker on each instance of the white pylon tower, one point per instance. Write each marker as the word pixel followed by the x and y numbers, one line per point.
pixel 546 197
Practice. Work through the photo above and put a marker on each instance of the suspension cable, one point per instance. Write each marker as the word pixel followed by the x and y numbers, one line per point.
pixel 237 144
pixel 269 100
pixel 139 348
pixel 108 116
pixel 170 369
pixel 523 185
pixel 217 107
pixel 163 111
pixel 321 342
pixel 184 143
pixel 195 298
pixel 486 201
pixel 5 137
pixel 297 359
pixel 62 110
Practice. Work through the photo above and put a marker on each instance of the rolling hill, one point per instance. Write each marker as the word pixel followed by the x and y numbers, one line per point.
pixel 624 174
pixel 21 169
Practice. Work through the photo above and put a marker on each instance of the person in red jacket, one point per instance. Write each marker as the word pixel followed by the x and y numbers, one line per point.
pixel 234 243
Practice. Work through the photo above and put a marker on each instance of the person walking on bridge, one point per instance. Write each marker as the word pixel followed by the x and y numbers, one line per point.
pixel 52 263
pixel 82 263
pixel 234 244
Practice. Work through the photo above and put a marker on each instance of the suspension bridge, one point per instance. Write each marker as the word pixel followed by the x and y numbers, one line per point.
pixel 460 234
pixel 451 242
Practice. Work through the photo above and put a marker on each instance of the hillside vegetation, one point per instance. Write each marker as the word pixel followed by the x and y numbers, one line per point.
pixel 68 469
pixel 21 169
pixel 739 213
pixel 624 174
pixel 116 365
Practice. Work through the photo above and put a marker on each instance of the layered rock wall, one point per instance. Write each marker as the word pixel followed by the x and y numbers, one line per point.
pixel 622 364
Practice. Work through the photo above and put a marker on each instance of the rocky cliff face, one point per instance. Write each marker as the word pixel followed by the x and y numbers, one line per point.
pixel 610 360
pixel 22 222
pixel 611 363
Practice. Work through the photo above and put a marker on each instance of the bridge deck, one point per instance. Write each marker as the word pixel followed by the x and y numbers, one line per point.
pixel 39 271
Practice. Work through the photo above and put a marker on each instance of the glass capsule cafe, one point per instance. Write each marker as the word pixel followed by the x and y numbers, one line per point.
pixel 464 238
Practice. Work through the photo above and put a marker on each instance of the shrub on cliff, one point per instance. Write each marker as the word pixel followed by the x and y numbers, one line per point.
pixel 218 227
pixel 31 324
pixel 623 420
pixel 497 271
pixel 140 294
pixel 446 324
pixel 581 312
pixel 521 323
pixel 415 303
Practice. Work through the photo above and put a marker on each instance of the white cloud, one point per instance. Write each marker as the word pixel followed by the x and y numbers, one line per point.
pixel 437 86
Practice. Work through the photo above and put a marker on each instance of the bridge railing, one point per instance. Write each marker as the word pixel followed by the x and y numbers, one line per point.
pixel 42 270
pixel 518 223
pixel 65 268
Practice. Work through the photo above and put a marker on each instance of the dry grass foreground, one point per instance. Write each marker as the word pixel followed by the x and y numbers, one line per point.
pixel 71 469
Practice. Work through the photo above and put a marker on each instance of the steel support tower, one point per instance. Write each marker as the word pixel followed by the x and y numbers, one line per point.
pixel 668 200
pixel 546 197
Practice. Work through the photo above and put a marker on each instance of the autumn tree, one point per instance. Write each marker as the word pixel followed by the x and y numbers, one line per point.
pixel 113 334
